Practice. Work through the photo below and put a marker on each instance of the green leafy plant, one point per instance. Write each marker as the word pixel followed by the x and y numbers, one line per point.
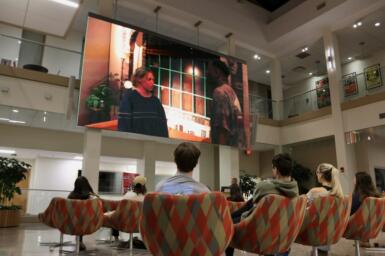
pixel 247 183
pixel 100 98
pixel 12 171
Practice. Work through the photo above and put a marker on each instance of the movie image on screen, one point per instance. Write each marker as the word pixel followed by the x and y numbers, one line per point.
pixel 141 82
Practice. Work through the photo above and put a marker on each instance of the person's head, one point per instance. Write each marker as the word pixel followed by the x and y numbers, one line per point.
pixel 139 185
pixel 364 186
pixel 234 181
pixel 82 186
pixel 186 156
pixel 218 71
pixel 282 165
pixel 144 78
pixel 328 174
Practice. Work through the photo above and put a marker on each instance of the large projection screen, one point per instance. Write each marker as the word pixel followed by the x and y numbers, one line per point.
pixel 197 95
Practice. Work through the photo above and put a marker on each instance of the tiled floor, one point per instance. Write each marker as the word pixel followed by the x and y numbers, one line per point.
pixel 25 239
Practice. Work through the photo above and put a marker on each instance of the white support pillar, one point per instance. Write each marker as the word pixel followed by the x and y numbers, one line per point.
pixel 91 156
pixel 276 89
pixel 345 153
pixel 148 164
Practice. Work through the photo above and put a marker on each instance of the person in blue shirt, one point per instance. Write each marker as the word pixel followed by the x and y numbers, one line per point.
pixel 186 157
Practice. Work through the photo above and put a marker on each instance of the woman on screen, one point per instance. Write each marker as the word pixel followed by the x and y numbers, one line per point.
pixel 226 121
pixel 140 111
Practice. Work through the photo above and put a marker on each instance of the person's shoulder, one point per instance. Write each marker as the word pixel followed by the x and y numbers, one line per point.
pixel 316 191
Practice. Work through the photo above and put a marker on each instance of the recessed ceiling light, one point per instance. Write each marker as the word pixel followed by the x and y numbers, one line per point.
pixel 310 74
pixel 267 71
pixel 7 151
pixel 67 3
pixel 377 24
pixel 256 57
pixel 350 58
pixel 16 121
pixel 369 138
pixel 78 158
pixel 305 49
pixel 15 110
pixel 359 23
pixel 354 25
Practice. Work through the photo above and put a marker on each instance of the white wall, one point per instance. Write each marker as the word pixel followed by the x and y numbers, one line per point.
pixel 364 117
pixel 268 134
pixel 307 130
pixel 63 62
pixel 9 48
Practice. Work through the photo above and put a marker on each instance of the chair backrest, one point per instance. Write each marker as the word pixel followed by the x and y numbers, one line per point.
pixel 197 224
pixel 78 217
pixel 126 216
pixel 109 205
pixel 325 220
pixel 272 226
pixel 46 216
pixel 233 206
pixel 367 221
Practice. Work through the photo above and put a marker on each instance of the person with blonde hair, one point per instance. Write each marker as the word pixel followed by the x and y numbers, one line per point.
pixel 328 177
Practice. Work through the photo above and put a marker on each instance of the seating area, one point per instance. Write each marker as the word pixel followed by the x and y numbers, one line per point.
pixel 200 224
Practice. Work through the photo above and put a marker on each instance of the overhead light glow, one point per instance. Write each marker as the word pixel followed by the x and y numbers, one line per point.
pixel 350 58
pixel 267 71
pixel 78 158
pixel 354 25
pixel 257 57
pixel 377 24
pixel 310 74
pixel 7 151
pixel 359 23
pixel 305 49
pixel 67 3
pixel 16 121
pixel 15 110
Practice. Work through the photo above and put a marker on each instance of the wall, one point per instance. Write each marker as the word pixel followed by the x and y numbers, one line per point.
pixel 265 167
pixel 364 117
pixel 63 62
pixel 311 154
pixel 9 48
pixel 249 164
pixel 307 130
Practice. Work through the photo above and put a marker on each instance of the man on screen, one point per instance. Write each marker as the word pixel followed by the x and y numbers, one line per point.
pixel 226 121
pixel 140 111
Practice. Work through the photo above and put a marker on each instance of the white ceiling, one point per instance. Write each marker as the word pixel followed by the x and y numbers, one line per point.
pixel 45 16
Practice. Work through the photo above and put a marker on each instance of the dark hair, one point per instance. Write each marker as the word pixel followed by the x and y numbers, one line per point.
pixel 365 186
pixel 139 74
pixel 283 163
pixel 82 189
pixel 186 156
pixel 220 65
pixel 139 189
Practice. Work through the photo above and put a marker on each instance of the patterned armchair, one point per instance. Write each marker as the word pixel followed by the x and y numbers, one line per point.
pixel 366 222
pixel 325 221
pixel 198 224
pixel 109 205
pixel 272 226
pixel 125 218
pixel 77 217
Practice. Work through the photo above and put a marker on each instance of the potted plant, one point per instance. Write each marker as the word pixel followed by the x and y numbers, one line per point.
pixel 247 183
pixel 101 99
pixel 12 172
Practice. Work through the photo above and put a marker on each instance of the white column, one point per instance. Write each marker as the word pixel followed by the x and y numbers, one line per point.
pixel 148 164
pixel 228 164
pixel 345 153
pixel 91 156
pixel 205 171
pixel 276 89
